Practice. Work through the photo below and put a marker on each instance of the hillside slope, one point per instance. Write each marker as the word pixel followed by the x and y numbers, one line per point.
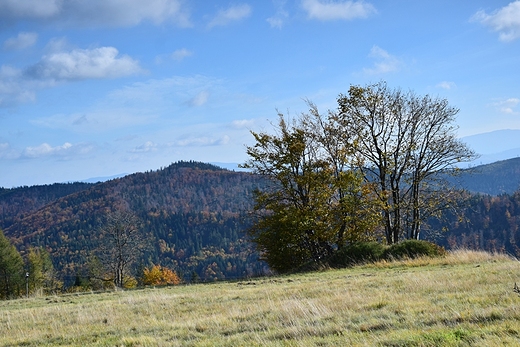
pixel 494 179
pixel 15 203
pixel 192 215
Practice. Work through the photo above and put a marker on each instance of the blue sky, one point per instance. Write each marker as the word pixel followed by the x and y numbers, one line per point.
pixel 103 87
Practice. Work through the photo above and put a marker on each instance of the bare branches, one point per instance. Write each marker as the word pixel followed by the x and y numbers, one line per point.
pixel 122 244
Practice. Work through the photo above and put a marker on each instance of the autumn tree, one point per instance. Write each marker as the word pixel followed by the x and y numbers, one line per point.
pixel 122 244
pixel 160 276
pixel 11 269
pixel 306 212
pixel 406 144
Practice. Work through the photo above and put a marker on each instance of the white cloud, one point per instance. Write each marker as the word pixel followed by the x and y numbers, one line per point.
pixel 97 120
pixel 201 141
pixel 508 106
pixel 79 64
pixel 180 54
pixel 137 104
pixel 167 93
pixel 23 40
pixel 200 99
pixel 446 85
pixel 65 151
pixel 333 10
pixel 6 152
pixel 278 20
pixel 385 62
pixel 243 124
pixel 29 8
pixel 19 86
pixel 13 88
pixel 505 21
pixel 97 12
pixel 234 13
pixel 275 22
pixel 146 147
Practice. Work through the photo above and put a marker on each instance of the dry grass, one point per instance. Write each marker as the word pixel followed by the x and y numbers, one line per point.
pixel 465 299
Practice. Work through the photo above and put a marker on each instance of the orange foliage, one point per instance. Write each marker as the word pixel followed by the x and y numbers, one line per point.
pixel 160 276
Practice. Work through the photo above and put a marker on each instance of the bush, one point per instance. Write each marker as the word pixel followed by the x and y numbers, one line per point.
pixel 413 249
pixel 357 253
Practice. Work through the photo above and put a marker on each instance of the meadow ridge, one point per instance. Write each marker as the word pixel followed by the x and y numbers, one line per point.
pixel 464 299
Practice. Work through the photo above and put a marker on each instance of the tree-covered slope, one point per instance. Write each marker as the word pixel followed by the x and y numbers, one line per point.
pixel 192 214
pixel 494 179
pixel 15 203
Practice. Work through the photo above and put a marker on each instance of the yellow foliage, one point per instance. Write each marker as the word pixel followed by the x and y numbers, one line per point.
pixel 160 276
pixel 129 282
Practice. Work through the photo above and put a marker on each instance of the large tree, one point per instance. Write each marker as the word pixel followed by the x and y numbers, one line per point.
pixel 314 203
pixel 11 269
pixel 406 144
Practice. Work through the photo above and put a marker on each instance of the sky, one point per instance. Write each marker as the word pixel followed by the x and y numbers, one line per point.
pixel 95 88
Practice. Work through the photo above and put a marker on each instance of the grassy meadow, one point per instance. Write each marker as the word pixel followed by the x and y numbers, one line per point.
pixel 465 299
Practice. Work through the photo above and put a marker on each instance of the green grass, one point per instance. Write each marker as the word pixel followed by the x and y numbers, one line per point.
pixel 465 299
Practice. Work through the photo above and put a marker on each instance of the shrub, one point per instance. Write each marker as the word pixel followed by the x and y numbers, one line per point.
pixel 356 253
pixel 160 276
pixel 413 249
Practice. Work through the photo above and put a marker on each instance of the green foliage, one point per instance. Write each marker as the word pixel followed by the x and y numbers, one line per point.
pixel 314 204
pixel 413 249
pixel 11 269
pixel 357 253
pixel 42 276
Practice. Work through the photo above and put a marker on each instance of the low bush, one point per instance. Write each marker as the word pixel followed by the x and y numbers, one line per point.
pixel 413 249
pixel 357 253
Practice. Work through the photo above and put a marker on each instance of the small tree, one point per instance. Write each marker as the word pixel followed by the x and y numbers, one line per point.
pixel 42 276
pixel 11 269
pixel 160 276
pixel 122 244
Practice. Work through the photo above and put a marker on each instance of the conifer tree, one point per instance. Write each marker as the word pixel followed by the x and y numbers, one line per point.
pixel 11 269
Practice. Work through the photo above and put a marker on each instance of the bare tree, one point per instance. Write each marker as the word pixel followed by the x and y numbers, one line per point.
pixel 122 244
pixel 405 143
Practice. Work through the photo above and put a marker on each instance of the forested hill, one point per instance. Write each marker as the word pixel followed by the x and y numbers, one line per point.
pixel 501 177
pixel 192 214
pixel 15 203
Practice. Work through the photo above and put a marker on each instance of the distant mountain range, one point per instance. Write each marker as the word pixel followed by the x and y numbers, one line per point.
pixel 494 146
